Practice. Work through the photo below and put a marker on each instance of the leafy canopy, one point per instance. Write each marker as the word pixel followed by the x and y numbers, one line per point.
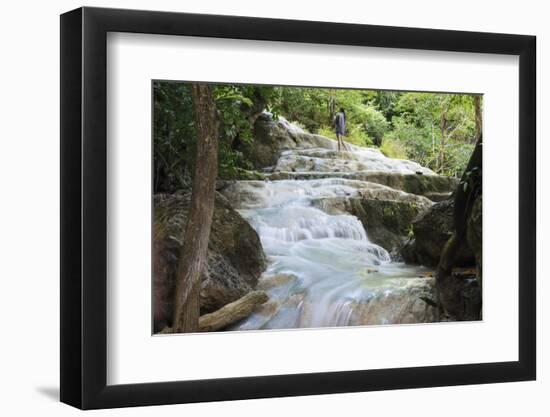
pixel 436 130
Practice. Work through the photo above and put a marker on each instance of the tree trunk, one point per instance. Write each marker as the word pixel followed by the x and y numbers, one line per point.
pixel 456 301
pixel 478 117
pixel 197 229
pixel 331 105
pixel 443 127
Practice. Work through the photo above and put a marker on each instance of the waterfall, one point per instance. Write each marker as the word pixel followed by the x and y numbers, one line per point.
pixel 323 269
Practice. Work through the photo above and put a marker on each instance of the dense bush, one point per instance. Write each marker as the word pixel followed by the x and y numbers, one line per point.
pixel 436 130
pixel 173 135
pixel 393 149
pixel 373 122
pixel 355 135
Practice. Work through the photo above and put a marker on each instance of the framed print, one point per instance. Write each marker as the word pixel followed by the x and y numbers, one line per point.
pixel 256 208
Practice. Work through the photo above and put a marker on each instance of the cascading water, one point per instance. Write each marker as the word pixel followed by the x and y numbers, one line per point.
pixel 324 270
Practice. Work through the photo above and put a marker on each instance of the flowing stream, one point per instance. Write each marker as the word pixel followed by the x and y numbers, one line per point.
pixel 323 269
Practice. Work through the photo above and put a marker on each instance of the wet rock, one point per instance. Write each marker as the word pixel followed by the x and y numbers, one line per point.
pixel 459 297
pixel 386 214
pixel 431 231
pixel 285 151
pixel 312 210
pixel 272 136
pixel 411 304
pixel 290 149
pixel 428 185
pixel 324 192
pixel 388 222
pixel 235 255
pixel 274 281
pixel 356 159
pixel 413 183
pixel 438 197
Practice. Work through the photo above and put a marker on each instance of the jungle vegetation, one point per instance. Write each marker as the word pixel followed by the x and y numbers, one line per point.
pixel 437 130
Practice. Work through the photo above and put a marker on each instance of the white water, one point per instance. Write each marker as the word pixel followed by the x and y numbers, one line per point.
pixel 354 159
pixel 323 269
pixel 328 159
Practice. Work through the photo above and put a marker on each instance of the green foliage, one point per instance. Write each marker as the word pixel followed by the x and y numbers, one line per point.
pixel 309 106
pixel 327 131
pixel 373 122
pixel 231 102
pixel 354 135
pixel 315 108
pixel 456 159
pixel 435 130
pixel 231 162
pixel 388 213
pixel 415 142
pixel 365 124
pixel 385 102
pixel 238 105
pixel 358 136
pixel 393 149
pixel 173 134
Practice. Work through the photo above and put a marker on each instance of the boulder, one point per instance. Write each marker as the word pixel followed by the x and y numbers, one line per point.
pixel 386 214
pixel 411 302
pixel 414 183
pixel 431 231
pixel 272 136
pixel 388 222
pixel 353 159
pixel 415 303
pixel 435 187
pixel 285 151
pixel 235 255
pixel 437 197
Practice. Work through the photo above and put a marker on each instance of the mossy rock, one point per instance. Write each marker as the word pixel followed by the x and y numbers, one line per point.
pixel 271 137
pixel 432 230
pixel 427 185
pixel 434 187
pixel 387 222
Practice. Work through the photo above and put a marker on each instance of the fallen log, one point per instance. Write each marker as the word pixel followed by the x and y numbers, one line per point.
pixel 229 313
pixel 232 312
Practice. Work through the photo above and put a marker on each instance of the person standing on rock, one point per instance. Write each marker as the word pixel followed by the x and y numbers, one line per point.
pixel 340 127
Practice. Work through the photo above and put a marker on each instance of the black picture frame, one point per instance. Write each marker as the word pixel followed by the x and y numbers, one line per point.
pixel 84 207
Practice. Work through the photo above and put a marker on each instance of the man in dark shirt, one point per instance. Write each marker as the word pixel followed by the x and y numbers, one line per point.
pixel 340 127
